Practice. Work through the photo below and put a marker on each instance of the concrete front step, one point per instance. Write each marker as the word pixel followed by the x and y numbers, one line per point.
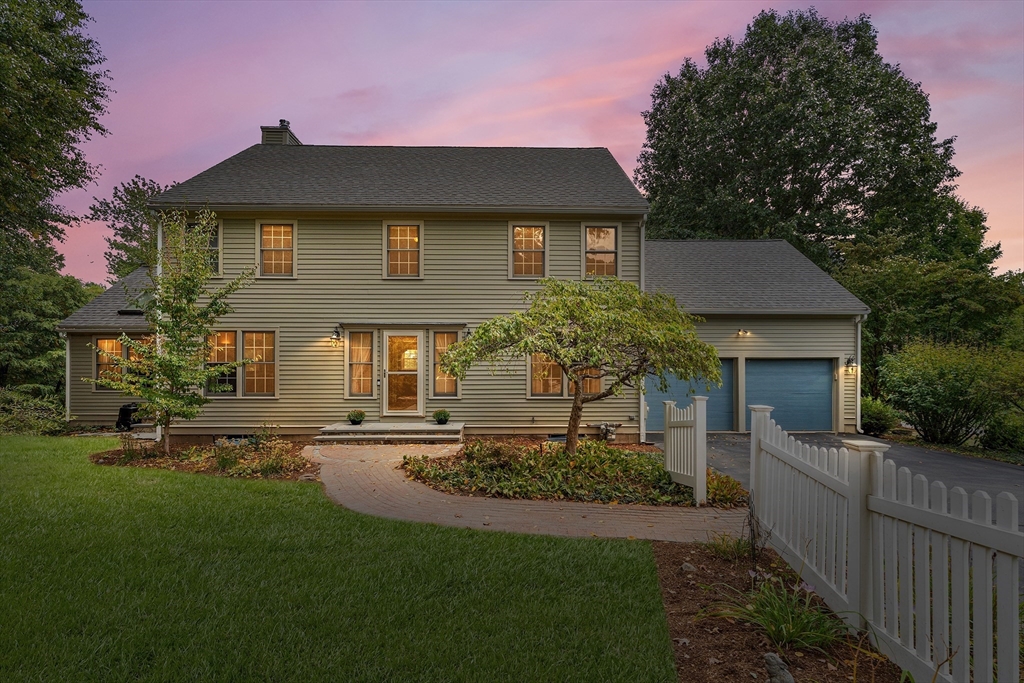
pixel 391 432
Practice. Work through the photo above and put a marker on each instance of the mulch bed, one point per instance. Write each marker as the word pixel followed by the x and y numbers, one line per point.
pixel 155 459
pixel 718 649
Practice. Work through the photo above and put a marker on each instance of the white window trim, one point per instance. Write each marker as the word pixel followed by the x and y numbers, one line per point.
pixel 240 370
pixel 374 358
pixel 420 394
pixel 511 248
pixel 430 375
pixel 583 247
pixel 384 249
pixel 259 251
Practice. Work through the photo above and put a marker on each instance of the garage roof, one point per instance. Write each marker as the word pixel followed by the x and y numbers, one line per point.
pixel 744 277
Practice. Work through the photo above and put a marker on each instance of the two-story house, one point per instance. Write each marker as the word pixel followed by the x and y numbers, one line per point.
pixel 371 260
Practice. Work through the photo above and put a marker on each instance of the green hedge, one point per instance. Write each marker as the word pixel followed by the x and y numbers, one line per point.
pixel 23 413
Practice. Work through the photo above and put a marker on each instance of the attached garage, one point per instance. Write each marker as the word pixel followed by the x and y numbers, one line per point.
pixel 786 332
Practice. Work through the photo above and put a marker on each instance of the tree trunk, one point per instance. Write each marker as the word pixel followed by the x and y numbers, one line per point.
pixel 572 434
pixel 167 436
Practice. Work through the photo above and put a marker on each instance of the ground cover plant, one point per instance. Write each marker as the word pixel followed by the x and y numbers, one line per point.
pixel 23 413
pixel 597 473
pixel 127 573
pixel 260 455
pixel 696 578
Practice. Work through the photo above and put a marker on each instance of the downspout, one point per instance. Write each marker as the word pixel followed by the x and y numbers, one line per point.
pixel 643 396
pixel 67 376
pixel 859 319
pixel 159 272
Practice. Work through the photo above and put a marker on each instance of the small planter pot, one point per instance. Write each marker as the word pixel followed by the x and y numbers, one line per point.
pixel 355 422
pixel 442 422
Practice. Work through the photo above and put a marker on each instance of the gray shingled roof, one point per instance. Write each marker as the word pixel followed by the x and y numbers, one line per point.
pixel 422 178
pixel 102 312
pixel 743 276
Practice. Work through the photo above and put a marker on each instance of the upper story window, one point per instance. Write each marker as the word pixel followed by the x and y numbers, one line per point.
pixel 213 248
pixel 403 249
pixel 545 376
pixel 601 257
pixel 444 384
pixel 277 249
pixel 529 250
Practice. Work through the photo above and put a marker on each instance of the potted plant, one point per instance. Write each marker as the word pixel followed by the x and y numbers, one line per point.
pixel 356 417
pixel 441 416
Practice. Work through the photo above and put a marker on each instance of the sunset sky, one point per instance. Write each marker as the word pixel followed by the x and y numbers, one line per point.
pixel 195 81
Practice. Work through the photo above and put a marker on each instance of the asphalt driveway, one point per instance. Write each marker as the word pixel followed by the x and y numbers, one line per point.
pixel 730 453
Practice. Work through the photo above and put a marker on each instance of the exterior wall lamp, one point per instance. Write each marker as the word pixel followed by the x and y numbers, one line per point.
pixel 743 333
pixel 851 365
pixel 336 336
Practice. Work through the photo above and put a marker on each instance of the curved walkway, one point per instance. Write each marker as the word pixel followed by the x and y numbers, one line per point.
pixel 366 478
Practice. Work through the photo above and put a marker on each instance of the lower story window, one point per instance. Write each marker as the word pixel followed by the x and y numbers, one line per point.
pixel 591 385
pixel 444 384
pixel 360 363
pixel 545 376
pixel 258 377
pixel 105 367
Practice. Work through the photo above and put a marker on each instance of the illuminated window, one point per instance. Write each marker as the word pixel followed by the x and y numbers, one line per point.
pixel 591 385
pixel 277 255
pixel 444 384
pixel 360 363
pixel 261 374
pixel 601 251
pixel 223 349
pixel 528 253
pixel 105 367
pixel 403 250
pixel 545 376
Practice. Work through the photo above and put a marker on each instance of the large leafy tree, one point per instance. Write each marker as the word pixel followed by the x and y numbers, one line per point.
pixel 31 306
pixel 605 329
pixel 167 369
pixel 802 131
pixel 52 94
pixel 133 243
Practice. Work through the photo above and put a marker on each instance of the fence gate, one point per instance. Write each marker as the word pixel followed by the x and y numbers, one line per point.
pixel 686 445
pixel 925 570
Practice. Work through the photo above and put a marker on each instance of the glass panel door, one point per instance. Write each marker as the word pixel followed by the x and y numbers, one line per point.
pixel 403 373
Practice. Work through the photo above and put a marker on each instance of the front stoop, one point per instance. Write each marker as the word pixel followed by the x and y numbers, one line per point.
pixel 392 432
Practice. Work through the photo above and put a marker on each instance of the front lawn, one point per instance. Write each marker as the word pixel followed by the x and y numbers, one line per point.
pixel 110 573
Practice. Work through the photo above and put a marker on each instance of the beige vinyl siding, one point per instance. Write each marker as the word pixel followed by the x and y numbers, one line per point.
pixel 90 405
pixel 791 337
pixel 338 280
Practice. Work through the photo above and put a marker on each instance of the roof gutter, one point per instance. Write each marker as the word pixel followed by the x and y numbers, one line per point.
pixel 643 279
pixel 777 311
pixel 391 209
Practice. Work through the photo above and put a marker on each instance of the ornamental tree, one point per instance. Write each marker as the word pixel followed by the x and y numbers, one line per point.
pixel 605 328
pixel 167 369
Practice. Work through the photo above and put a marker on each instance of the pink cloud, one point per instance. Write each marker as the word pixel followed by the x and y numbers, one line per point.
pixel 195 80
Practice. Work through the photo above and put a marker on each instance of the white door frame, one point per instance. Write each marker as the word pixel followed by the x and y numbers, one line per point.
pixel 419 372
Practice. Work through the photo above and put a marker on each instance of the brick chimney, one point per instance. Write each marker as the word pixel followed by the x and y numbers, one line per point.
pixel 280 134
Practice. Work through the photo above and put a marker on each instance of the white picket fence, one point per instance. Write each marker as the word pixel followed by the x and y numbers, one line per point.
pixel 686 445
pixel 932 580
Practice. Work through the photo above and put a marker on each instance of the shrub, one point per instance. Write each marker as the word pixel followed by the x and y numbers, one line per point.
pixel 724 491
pixel 790 617
pixel 947 393
pixel 596 473
pixel 22 413
pixel 1005 432
pixel 355 416
pixel 876 418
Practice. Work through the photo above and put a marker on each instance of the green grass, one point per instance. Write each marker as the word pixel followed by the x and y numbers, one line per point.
pixel 116 574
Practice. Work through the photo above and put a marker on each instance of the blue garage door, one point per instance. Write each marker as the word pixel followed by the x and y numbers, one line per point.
pixel 799 390
pixel 720 400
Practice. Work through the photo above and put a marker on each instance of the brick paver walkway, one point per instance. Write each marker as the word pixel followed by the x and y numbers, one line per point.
pixel 365 478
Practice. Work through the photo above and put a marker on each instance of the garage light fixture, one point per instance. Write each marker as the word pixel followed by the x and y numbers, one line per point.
pixel 851 365
pixel 743 333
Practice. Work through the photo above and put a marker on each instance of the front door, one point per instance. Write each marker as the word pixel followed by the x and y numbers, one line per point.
pixel 403 363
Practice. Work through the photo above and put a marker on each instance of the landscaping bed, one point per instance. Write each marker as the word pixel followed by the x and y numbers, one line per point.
pixel 598 473
pixel 695 581
pixel 261 456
